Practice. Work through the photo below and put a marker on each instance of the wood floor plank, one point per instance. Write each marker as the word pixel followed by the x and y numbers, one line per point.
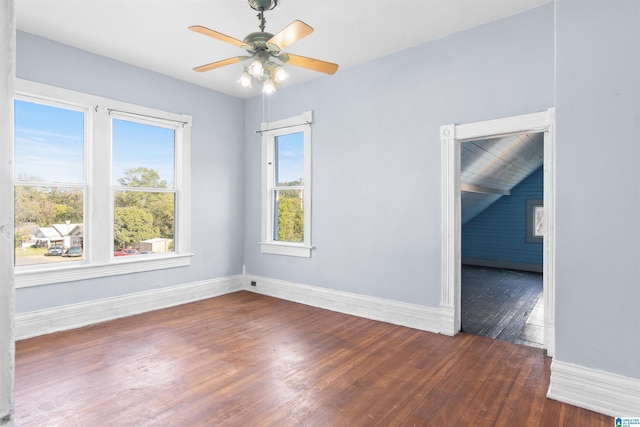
pixel 245 359
pixel 496 303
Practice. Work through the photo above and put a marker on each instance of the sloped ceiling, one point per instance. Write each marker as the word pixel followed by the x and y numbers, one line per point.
pixel 491 168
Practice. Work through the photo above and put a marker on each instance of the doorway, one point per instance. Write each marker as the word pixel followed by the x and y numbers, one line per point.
pixel 501 180
pixel 452 137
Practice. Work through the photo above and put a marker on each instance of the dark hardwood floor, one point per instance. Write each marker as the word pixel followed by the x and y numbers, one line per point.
pixel 499 303
pixel 245 359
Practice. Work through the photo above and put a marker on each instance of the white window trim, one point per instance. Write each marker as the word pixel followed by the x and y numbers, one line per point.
pixel 99 260
pixel 532 205
pixel 271 130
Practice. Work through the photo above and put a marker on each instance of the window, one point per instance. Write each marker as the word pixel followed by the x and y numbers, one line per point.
pixel 95 179
pixel 49 182
pixel 535 221
pixel 286 185
pixel 144 194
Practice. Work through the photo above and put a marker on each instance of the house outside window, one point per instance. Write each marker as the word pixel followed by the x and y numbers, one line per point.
pixel 93 177
pixel 286 186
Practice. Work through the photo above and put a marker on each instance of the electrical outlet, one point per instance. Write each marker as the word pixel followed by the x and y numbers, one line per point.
pixel 253 283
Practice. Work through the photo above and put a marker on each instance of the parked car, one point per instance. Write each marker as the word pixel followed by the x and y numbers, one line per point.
pixel 125 252
pixel 54 251
pixel 73 251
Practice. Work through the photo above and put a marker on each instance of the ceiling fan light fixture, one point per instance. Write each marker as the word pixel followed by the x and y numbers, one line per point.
pixel 245 79
pixel 268 87
pixel 280 74
pixel 262 47
pixel 255 68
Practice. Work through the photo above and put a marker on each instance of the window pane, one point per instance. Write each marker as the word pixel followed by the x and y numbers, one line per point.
pixel 143 222
pixel 289 159
pixel 49 143
pixel 289 214
pixel 143 155
pixel 49 224
pixel 538 229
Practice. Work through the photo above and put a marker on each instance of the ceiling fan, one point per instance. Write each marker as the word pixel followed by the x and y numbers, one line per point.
pixel 265 50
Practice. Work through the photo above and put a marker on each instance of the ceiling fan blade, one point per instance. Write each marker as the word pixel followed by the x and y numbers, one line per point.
pixel 216 35
pixel 291 34
pixel 310 63
pixel 218 64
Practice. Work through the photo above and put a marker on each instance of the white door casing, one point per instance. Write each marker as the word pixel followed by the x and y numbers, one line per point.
pixel 7 291
pixel 451 137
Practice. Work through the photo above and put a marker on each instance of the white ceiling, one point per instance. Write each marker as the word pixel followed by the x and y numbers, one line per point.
pixel 153 34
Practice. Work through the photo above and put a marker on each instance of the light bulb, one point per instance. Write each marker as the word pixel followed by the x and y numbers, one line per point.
pixel 245 79
pixel 268 87
pixel 256 69
pixel 280 73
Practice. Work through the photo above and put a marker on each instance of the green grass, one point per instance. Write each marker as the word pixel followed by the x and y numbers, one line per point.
pixel 30 251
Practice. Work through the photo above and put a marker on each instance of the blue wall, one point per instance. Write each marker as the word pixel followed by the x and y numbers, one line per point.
pixel 499 233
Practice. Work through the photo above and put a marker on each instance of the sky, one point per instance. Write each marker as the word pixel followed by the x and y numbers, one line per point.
pixel 290 157
pixel 49 145
pixel 141 145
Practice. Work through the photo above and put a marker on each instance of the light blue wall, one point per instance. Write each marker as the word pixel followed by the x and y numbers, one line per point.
pixel 598 190
pixel 376 215
pixel 376 165
pixel 216 164
pixel 499 233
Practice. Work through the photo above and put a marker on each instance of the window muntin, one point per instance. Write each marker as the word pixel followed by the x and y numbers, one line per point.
pixel 286 202
pixel 144 197
pixel 49 192
pixel 97 258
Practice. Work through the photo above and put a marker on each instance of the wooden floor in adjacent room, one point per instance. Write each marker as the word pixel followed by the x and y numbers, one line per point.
pixel 503 304
pixel 245 359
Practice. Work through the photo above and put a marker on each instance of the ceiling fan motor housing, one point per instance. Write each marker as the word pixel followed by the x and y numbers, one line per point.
pixel 263 4
pixel 258 39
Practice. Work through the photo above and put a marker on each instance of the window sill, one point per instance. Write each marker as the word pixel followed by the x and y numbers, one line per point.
pixel 289 249
pixel 82 271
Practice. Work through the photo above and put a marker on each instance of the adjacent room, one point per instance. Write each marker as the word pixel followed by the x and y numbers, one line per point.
pixel 502 195
pixel 261 212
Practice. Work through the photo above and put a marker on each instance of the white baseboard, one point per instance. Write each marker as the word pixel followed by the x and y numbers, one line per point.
pixel 66 317
pixel 448 321
pixel 395 312
pixel 595 390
